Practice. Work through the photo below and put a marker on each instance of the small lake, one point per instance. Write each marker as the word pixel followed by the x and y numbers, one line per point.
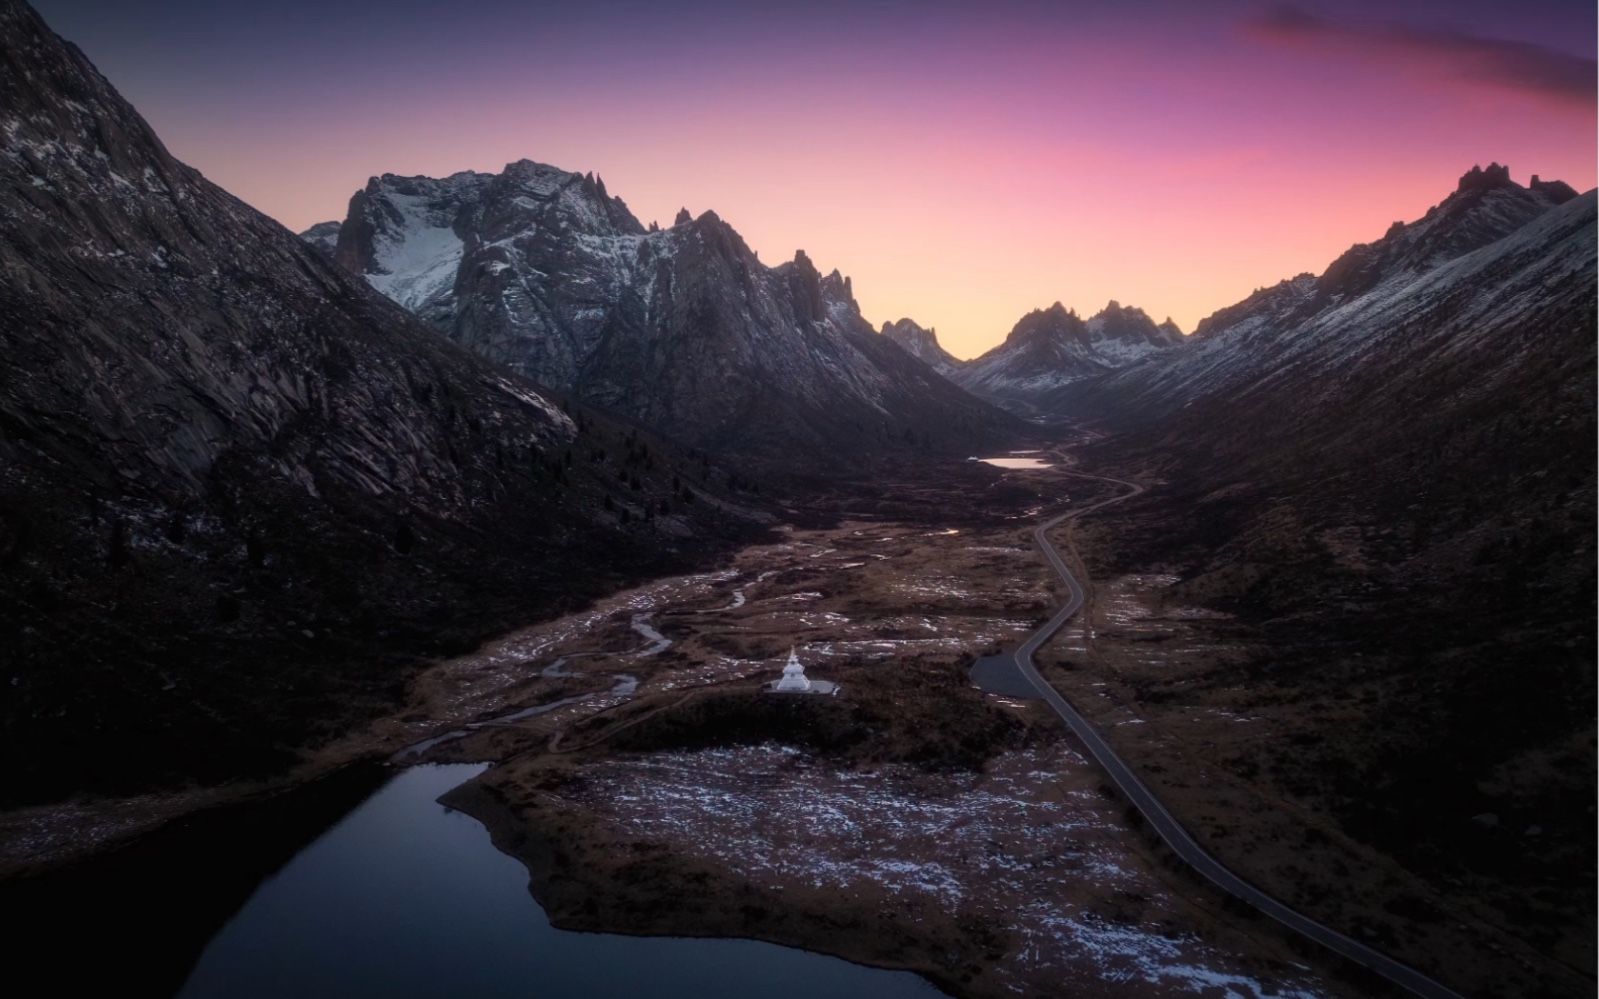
pixel 403 897
pixel 1015 462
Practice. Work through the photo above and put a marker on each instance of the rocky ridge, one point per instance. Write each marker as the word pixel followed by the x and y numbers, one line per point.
pixel 241 495
pixel 1318 324
pixel 1386 476
pixel 543 271
pixel 923 345
pixel 1054 347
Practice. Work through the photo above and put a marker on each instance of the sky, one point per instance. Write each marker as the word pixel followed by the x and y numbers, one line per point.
pixel 962 163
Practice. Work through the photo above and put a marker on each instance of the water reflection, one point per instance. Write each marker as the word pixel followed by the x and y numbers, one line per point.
pixel 135 920
pixel 407 898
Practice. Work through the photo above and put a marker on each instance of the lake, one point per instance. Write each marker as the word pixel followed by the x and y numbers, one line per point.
pixel 1016 462
pixel 403 897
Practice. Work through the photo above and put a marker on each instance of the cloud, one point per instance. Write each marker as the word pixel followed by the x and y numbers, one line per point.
pixel 1520 67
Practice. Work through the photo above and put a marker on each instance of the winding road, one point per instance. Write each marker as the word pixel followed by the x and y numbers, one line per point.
pixel 1156 814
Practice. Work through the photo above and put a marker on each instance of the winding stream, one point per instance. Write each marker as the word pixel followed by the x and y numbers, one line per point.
pixel 626 685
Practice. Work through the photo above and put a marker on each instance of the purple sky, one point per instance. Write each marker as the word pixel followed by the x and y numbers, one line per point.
pixel 962 164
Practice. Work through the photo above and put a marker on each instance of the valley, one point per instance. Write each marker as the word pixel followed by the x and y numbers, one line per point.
pixel 488 585
pixel 909 822
pixel 912 821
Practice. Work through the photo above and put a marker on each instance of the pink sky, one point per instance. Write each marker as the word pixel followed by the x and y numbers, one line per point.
pixel 962 173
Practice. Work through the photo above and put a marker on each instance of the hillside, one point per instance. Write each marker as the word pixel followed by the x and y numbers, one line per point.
pixel 242 496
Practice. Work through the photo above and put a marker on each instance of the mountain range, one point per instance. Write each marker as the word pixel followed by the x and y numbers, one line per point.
pixel 251 482
pixel 1381 298
pixel 1385 476
pixel 544 272
pixel 241 494
pixel 1051 348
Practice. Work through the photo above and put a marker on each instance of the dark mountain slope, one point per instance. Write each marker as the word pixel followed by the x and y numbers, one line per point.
pixel 240 494
pixel 1388 476
pixel 684 328
pixel 1310 323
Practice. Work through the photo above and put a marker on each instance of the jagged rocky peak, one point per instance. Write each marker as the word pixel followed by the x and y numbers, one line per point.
pixel 1133 326
pixel 1054 347
pixel 921 344
pixel 1056 324
pixel 392 202
pixel 1478 179
pixel 805 283
pixel 200 409
pixel 408 235
pixel 1557 191
pixel 908 330
pixel 558 197
pixel 545 272
pixel 401 234
pixel 1485 206
pixel 324 236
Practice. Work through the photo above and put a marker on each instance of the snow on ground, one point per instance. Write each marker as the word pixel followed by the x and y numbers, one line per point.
pixel 1022 847
pixel 943 587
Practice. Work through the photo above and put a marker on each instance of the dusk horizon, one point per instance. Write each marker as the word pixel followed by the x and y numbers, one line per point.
pixel 964 169
pixel 871 500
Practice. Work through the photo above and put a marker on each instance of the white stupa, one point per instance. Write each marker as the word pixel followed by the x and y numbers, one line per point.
pixel 795 682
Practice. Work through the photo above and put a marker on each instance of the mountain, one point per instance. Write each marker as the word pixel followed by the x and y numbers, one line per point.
pixel 1368 304
pixel 1051 348
pixel 683 328
pixel 241 495
pixel 922 345
pixel 1384 478
pixel 324 236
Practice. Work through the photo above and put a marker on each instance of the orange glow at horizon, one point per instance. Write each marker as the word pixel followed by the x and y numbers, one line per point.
pixel 956 187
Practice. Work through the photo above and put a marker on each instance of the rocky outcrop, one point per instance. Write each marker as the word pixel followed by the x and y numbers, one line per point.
pixel 1054 347
pixel 403 235
pixel 1557 191
pixel 324 236
pixel 1316 322
pixel 1478 179
pixel 1487 206
pixel 923 345
pixel 542 271
pixel 241 494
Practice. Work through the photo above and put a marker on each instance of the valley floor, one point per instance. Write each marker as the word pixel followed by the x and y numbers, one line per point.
pixel 911 821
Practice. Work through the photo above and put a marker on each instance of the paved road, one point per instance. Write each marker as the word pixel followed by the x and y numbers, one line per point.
pixel 1155 813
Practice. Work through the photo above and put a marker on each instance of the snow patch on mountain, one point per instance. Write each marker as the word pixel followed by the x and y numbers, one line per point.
pixel 543 271
pixel 417 260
